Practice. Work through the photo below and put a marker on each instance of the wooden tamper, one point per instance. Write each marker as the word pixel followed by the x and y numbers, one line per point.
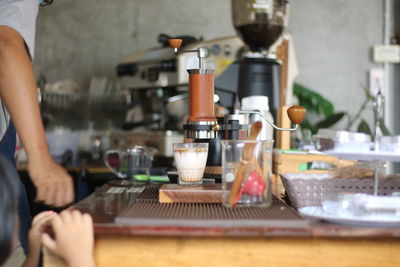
pixel 296 114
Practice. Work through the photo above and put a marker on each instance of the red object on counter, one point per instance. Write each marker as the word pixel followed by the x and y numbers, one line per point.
pixel 254 186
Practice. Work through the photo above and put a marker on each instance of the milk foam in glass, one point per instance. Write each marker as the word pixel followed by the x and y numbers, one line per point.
pixel 190 159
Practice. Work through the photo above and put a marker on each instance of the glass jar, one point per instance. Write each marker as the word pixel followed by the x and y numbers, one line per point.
pixel 246 173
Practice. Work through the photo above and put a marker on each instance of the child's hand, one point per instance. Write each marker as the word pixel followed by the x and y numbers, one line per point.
pixel 39 224
pixel 73 238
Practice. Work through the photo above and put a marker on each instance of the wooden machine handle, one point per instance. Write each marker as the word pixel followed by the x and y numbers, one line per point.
pixel 175 43
pixel 296 114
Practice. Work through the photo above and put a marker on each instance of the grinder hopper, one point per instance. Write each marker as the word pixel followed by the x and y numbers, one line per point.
pixel 259 23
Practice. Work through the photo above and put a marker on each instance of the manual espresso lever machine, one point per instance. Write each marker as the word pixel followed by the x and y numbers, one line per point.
pixel 203 127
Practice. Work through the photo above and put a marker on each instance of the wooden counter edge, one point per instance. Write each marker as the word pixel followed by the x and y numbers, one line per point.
pixel 161 251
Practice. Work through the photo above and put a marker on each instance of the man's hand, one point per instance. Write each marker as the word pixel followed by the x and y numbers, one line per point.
pixel 73 240
pixel 53 184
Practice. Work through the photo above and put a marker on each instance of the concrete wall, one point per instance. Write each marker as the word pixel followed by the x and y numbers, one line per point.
pixel 79 39
pixel 333 41
pixel 333 38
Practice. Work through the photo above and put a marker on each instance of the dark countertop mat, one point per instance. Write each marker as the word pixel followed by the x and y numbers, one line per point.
pixel 146 210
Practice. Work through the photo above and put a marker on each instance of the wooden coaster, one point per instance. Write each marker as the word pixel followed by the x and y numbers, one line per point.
pixel 174 193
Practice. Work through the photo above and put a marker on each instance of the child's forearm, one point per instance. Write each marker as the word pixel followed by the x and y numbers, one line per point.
pixel 31 261
pixel 81 262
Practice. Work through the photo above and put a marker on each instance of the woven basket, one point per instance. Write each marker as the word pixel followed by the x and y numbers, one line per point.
pixel 312 188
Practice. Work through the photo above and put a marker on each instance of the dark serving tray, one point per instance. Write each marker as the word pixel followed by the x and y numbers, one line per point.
pixel 147 211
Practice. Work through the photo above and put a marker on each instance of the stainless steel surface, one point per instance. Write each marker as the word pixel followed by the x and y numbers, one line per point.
pixel 177 108
pixel 152 103
pixel 200 71
pixel 162 140
pixel 242 118
pixel 202 123
pixel 154 59
pixel 201 54
pixel 268 120
pixel 201 134
pixel 158 75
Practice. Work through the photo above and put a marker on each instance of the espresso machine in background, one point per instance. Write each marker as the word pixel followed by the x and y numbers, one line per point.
pixel 158 80
pixel 158 84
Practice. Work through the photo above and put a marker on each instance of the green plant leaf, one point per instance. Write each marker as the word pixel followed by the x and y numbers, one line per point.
pixel 382 125
pixel 330 120
pixel 367 93
pixel 364 128
pixel 312 101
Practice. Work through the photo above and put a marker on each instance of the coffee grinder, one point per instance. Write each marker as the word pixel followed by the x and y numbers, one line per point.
pixel 259 23
pixel 202 125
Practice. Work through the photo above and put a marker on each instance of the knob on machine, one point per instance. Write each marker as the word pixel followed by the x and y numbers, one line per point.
pixel 175 43
pixel 296 114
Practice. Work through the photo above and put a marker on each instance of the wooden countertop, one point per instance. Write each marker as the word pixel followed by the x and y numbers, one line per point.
pixel 88 168
pixel 105 205
pixel 318 244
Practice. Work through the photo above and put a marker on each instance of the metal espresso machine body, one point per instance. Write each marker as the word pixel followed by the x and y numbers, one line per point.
pixel 157 80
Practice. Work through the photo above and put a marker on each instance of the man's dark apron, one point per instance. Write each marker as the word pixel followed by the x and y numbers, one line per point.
pixel 7 149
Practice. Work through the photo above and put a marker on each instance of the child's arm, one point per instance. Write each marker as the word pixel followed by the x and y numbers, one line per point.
pixel 39 224
pixel 73 240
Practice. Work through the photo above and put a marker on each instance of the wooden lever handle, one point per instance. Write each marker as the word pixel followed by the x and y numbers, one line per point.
pixel 296 114
pixel 175 43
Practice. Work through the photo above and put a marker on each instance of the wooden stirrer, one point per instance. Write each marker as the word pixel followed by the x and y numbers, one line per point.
pixel 247 155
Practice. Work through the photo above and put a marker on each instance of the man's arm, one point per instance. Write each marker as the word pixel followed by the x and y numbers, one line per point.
pixel 18 92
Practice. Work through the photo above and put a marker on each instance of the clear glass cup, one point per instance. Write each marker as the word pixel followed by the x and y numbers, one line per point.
pixel 128 162
pixel 190 159
pixel 246 173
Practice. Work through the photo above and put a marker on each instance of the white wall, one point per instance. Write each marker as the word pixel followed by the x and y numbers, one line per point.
pixel 79 39
pixel 333 41
pixel 333 38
